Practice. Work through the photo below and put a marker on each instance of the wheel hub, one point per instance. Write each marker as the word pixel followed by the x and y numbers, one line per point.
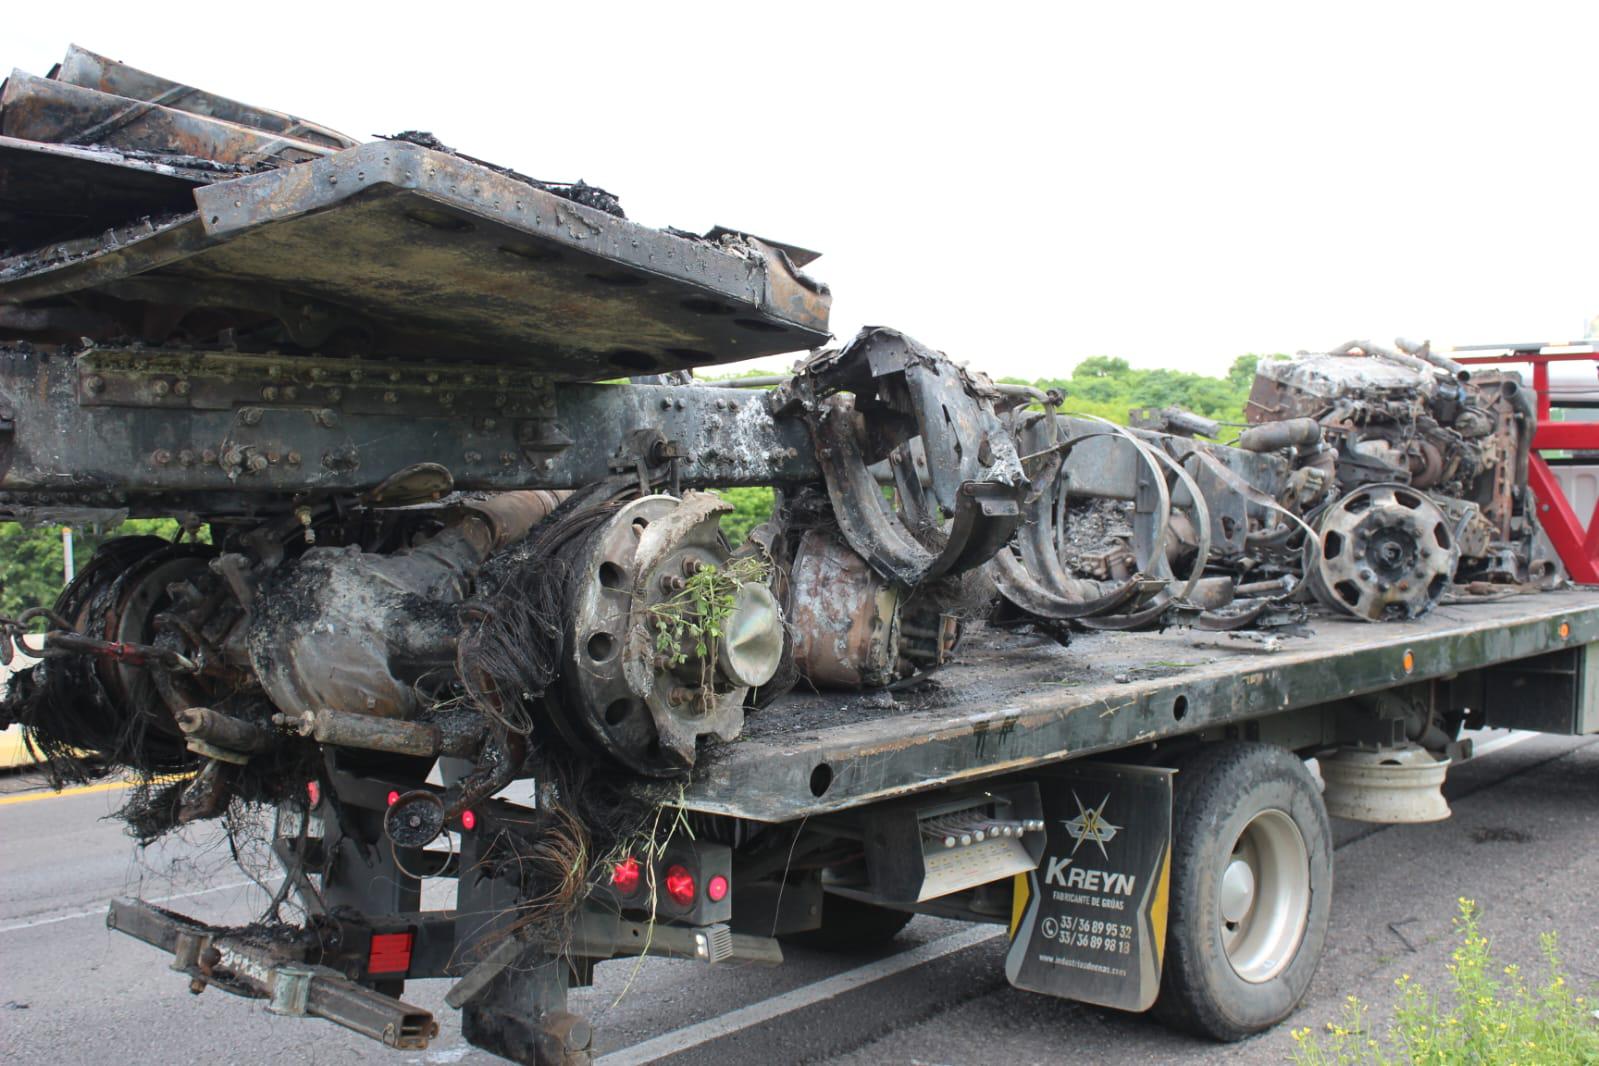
pixel 635 691
pixel 1263 898
pixel 1383 551
pixel 1237 891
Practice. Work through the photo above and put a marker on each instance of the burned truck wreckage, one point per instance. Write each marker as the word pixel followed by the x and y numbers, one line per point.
pixel 424 517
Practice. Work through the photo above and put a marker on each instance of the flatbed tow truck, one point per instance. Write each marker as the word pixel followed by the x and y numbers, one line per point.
pixel 1136 878
pixel 444 489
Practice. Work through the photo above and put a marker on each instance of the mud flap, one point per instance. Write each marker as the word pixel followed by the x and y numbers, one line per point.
pixel 1090 922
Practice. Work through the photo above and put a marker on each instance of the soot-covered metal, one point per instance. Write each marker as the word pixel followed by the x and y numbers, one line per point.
pixel 373 383
pixel 380 446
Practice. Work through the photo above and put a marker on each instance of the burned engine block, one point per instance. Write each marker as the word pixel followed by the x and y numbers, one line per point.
pixel 369 383
pixel 1430 465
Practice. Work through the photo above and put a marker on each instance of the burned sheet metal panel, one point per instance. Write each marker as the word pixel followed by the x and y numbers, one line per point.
pixel 86 69
pixel 54 192
pixel 473 265
pixel 43 109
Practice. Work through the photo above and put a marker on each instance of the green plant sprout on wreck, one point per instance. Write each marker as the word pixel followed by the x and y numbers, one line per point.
pixel 444 535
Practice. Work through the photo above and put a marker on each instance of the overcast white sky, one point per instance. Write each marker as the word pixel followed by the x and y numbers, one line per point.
pixel 1019 185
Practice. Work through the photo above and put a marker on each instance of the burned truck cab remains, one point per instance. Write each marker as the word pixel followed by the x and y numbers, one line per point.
pixel 444 486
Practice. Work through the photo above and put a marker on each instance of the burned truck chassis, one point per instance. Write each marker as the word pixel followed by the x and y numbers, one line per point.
pixel 374 378
pixel 772 814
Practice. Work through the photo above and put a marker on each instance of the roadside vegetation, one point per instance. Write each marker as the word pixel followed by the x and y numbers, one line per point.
pixel 32 562
pixel 1491 1015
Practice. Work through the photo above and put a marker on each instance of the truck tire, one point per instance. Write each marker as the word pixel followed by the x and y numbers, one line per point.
pixel 849 925
pixel 1251 888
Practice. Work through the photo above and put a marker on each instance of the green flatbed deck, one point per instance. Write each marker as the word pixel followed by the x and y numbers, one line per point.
pixel 1011 702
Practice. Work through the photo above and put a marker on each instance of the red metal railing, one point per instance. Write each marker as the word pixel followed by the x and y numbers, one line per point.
pixel 1578 549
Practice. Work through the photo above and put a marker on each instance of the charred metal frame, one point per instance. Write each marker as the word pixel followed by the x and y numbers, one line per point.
pixel 251 426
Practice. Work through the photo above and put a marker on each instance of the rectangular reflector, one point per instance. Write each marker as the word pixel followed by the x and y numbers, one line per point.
pixel 391 953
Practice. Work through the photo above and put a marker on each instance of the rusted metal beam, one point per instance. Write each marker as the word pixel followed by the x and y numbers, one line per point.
pixel 84 68
pixel 116 426
pixel 39 109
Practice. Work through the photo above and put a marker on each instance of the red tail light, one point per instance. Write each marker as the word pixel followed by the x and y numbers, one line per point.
pixel 394 797
pixel 468 820
pixel 313 792
pixel 680 885
pixel 625 876
pixel 391 953
pixel 716 889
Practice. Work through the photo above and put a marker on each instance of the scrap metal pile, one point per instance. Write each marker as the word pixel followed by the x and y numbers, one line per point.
pixel 365 381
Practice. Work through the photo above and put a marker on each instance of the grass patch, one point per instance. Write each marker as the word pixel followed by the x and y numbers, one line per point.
pixel 1490 1015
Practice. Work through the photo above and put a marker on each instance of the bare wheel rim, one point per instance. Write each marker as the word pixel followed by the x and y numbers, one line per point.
pixel 1263 900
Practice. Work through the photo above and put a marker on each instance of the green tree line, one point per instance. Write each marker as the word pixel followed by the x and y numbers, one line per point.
pixel 33 563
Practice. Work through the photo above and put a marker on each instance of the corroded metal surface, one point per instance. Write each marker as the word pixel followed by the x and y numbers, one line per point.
pixel 122 429
pixel 1385 551
pixel 84 68
pixel 44 109
pixel 631 699
pixel 846 619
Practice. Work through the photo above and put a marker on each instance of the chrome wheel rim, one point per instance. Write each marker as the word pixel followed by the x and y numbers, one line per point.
pixel 1263 897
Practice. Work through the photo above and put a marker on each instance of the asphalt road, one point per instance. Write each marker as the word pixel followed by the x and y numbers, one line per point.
pixel 1524 842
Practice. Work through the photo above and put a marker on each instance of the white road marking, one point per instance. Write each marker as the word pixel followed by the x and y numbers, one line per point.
pixel 756 1013
pixel 100 911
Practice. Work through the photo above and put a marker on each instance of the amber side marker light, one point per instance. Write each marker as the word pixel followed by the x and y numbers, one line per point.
pixel 1409 661
pixel 1565 631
